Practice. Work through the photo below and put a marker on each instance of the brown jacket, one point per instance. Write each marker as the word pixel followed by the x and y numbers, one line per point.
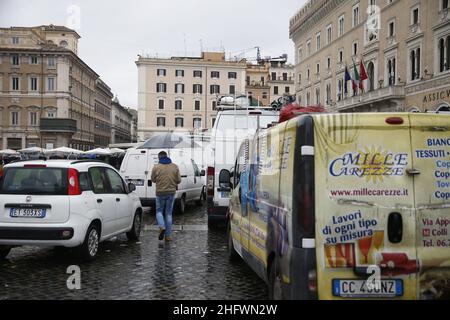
pixel 166 177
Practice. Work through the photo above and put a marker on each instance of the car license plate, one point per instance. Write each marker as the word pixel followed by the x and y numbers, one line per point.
pixel 27 213
pixel 360 288
pixel 225 194
pixel 137 183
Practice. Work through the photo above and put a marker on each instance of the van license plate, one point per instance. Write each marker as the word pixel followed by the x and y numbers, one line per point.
pixel 27 213
pixel 360 289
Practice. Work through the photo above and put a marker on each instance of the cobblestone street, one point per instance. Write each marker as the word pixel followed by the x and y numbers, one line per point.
pixel 193 266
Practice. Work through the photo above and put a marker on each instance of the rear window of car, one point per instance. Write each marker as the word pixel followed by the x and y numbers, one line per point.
pixel 34 181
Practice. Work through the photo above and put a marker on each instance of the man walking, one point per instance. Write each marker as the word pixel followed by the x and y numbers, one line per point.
pixel 166 176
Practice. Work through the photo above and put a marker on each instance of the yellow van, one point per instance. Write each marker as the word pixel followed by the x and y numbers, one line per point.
pixel 345 206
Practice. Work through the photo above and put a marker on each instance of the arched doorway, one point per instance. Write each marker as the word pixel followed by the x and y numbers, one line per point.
pixel 443 108
pixel 371 76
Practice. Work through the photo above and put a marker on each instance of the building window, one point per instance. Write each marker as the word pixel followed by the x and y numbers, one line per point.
pixel 341 56
pixel 215 74
pixel 340 89
pixel 179 122
pixel 287 89
pixel 232 89
pixel 328 63
pixel 444 5
pixel 14 118
pixel 51 84
pixel 51 114
pixel 285 76
pixel 51 62
pixel 444 54
pixel 161 103
pixel 33 60
pixel 329 34
pixel 415 16
pixel 317 96
pixel 197 104
pixel 415 64
pixel 341 26
pixel 355 16
pixel 197 74
pixel 328 93
pixel 197 123
pixel 391 29
pixel 308 74
pixel 214 105
pixel 15 40
pixel 355 48
pixel 33 118
pixel 308 48
pixel 161 72
pixel 15 83
pixel 197 88
pixel 299 78
pixel 33 84
pixel 275 90
pixel 161 87
pixel 232 75
pixel 391 65
pixel 318 41
pixel 308 98
pixel 64 44
pixel 15 60
pixel 178 104
pixel 160 121
pixel 273 76
pixel 179 88
pixel 215 89
pixel 179 73
pixel 317 69
pixel 300 54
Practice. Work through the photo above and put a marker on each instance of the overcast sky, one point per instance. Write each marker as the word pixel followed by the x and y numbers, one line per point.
pixel 114 32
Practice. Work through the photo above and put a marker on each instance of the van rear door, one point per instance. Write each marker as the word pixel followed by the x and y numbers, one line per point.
pixel 364 207
pixel 135 169
pixel 430 139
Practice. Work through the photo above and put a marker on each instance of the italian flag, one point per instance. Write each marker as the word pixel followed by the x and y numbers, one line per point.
pixel 355 80
pixel 362 75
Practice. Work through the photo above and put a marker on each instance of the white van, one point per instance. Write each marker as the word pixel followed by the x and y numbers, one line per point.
pixel 230 129
pixel 137 168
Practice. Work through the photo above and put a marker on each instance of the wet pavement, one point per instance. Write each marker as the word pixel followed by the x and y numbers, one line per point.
pixel 193 266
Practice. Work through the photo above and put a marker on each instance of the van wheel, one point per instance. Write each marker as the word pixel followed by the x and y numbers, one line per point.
pixel 135 232
pixel 200 202
pixel 275 288
pixel 89 249
pixel 181 205
pixel 4 251
pixel 233 256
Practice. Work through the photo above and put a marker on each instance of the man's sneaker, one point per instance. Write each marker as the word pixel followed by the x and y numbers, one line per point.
pixel 161 233
pixel 168 239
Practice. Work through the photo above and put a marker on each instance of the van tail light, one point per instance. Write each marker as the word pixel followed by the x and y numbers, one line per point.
pixel 395 120
pixel 73 183
pixel 312 281
pixel 210 181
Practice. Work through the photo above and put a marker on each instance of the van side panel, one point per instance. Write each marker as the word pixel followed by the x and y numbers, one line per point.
pixel 430 139
pixel 364 199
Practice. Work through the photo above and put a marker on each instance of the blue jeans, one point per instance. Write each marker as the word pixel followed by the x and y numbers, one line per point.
pixel 164 206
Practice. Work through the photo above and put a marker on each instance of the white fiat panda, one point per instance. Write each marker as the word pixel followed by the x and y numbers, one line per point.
pixel 65 203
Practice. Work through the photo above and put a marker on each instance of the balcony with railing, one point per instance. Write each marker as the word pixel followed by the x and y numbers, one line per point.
pixel 385 94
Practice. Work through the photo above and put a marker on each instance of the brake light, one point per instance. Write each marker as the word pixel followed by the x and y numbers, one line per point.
pixel 35 166
pixel 73 184
pixel 307 212
pixel 395 120
pixel 210 181
pixel 312 281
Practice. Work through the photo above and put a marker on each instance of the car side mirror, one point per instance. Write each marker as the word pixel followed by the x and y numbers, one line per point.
pixel 131 187
pixel 202 173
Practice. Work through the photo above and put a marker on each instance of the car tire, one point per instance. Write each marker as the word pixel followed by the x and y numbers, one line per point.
pixel 200 202
pixel 180 205
pixel 89 249
pixel 135 232
pixel 275 287
pixel 4 251
pixel 233 256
